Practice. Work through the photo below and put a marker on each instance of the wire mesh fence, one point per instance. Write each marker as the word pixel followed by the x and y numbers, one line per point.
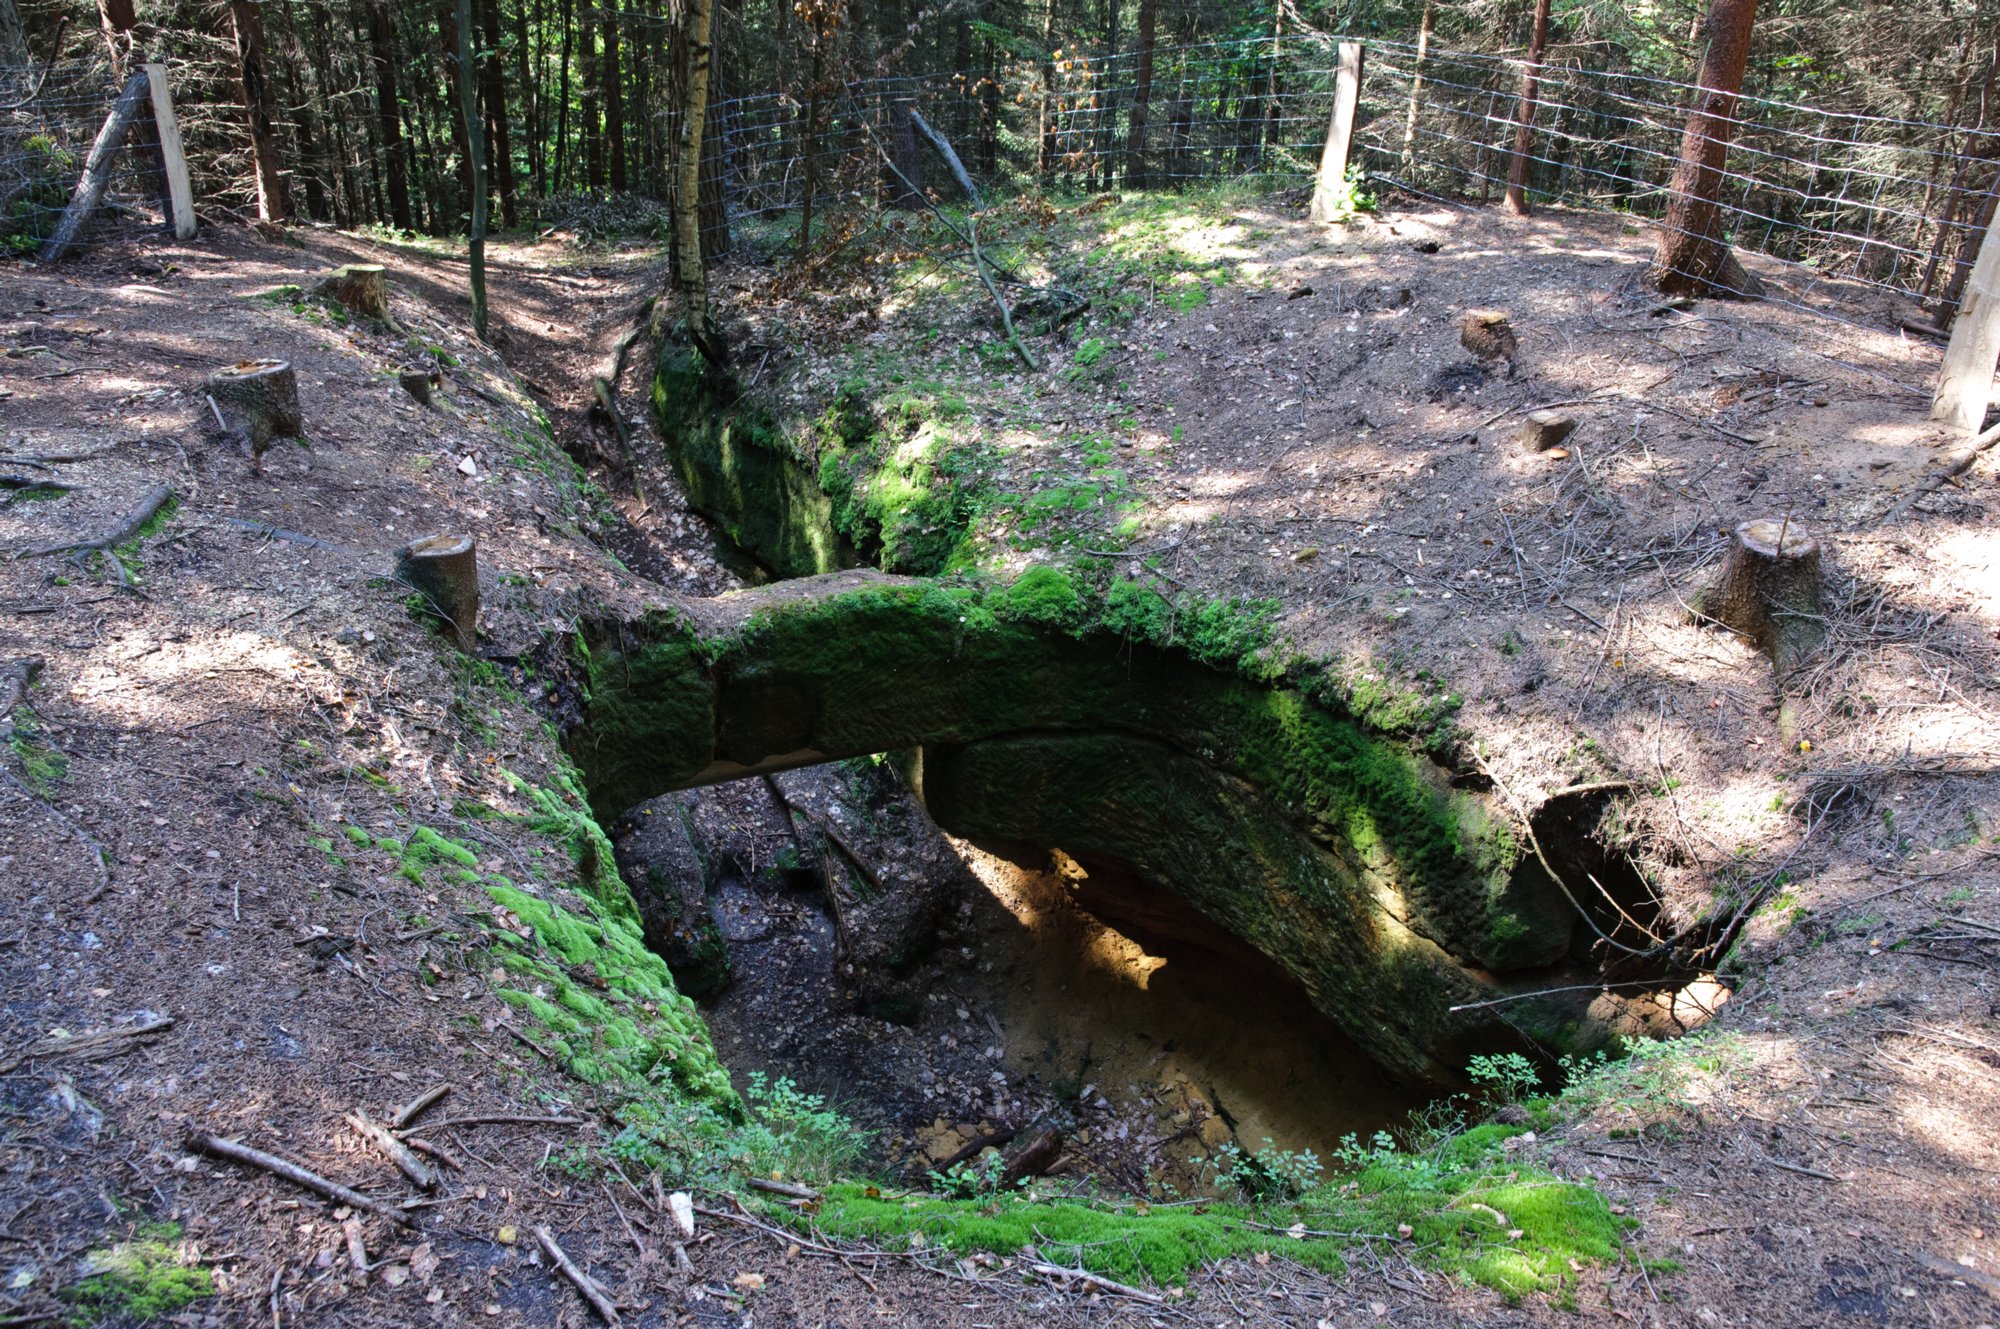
pixel 49 118
pixel 1895 204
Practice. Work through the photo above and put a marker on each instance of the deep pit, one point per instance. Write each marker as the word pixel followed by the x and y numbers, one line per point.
pixel 1183 893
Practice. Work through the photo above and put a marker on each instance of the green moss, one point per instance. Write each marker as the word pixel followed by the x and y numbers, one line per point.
pixel 1471 1213
pixel 736 468
pixel 42 767
pixel 1041 596
pixel 146 1277
pixel 613 1008
pixel 895 665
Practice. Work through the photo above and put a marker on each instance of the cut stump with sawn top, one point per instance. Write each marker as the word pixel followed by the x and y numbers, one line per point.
pixel 256 401
pixel 1770 591
pixel 445 569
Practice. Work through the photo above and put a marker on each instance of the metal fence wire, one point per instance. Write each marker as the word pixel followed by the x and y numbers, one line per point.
pixel 1895 204
pixel 49 118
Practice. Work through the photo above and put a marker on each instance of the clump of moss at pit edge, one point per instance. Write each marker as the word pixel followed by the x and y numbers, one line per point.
pixel 145 1277
pixel 1472 1210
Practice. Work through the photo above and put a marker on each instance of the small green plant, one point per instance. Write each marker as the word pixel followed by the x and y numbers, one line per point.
pixel 971 1179
pixel 795 1134
pixel 1268 1174
pixel 1089 360
pixel 1508 1077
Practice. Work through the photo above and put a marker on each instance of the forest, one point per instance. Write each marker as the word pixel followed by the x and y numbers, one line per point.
pixel 1310 664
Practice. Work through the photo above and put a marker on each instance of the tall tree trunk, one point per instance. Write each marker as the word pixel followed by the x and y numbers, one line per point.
pixel 525 64
pixel 1692 254
pixel 715 161
pixel 468 105
pixel 1416 92
pixel 1045 129
pixel 811 134
pixel 389 111
pixel 690 273
pixel 614 97
pixel 449 32
pixel 588 127
pixel 493 79
pixel 1524 116
pixel 562 98
pixel 248 19
pixel 1136 175
pixel 1271 132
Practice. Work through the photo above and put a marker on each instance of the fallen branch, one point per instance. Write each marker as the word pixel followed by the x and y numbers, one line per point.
pixel 417 1106
pixel 1954 466
pixel 98 1045
pixel 399 1153
pixel 790 1190
pixel 207 1143
pixel 450 1122
pixel 583 1282
pixel 1089 1279
pixel 951 161
pixel 149 507
pixel 289 537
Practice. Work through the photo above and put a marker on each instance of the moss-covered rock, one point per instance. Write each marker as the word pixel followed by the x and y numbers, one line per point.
pixel 815 670
pixel 736 468
pixel 892 488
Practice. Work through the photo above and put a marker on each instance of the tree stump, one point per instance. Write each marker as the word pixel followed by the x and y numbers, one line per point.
pixel 362 287
pixel 256 401
pixel 1769 591
pixel 418 383
pixel 1543 430
pixel 445 568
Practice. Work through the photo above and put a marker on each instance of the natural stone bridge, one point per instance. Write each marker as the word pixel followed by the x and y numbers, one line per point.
pixel 1393 899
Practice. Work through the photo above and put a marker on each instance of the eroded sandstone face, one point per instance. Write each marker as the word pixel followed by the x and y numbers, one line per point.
pixel 1398 903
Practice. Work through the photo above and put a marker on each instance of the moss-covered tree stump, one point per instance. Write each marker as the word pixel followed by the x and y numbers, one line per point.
pixel 255 402
pixel 363 288
pixel 445 570
pixel 1769 591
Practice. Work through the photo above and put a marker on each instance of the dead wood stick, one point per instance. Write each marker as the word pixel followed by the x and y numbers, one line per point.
pixel 951 161
pixel 1957 464
pixel 411 1110
pixel 1944 1268
pixel 450 1122
pixel 1006 313
pixel 791 1190
pixel 625 1222
pixel 803 1243
pixel 96 168
pixel 357 1249
pixel 242 1153
pixel 1089 1279
pixel 99 855
pixel 438 1152
pixel 15 676
pixel 399 1153
pixel 149 507
pixel 289 537
pixel 1801 1169
pixel 583 1282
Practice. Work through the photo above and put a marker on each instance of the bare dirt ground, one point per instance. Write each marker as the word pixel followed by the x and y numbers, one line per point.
pixel 253 693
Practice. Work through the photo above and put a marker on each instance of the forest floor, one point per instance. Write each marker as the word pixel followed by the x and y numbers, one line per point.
pixel 257 733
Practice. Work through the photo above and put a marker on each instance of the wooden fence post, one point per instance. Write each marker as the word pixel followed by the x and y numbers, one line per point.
pixel 1965 383
pixel 1330 189
pixel 180 190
